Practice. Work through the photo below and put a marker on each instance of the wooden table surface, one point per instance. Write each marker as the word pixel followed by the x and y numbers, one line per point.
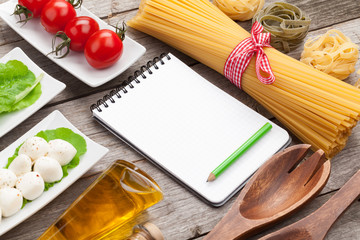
pixel 180 215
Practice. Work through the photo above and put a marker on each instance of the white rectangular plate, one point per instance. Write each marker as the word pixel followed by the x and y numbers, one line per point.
pixel 93 154
pixel 75 63
pixel 50 87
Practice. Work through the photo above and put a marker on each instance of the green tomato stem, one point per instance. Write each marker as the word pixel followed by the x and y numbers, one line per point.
pixel 57 49
pixel 75 3
pixel 21 10
pixel 120 31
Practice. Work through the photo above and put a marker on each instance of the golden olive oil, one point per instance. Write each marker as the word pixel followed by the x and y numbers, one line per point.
pixel 119 194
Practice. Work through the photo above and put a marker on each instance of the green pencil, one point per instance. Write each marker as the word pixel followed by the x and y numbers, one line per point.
pixel 242 149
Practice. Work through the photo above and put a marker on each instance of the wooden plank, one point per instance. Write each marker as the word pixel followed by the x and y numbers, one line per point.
pixel 152 45
pixel 323 13
pixel 86 124
pixel 181 219
pixel 181 207
pixel 345 164
pixel 180 215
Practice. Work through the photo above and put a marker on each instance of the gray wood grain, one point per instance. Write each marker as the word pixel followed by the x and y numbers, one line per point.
pixel 124 10
pixel 180 215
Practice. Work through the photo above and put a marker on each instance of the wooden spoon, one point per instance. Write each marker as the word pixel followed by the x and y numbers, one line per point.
pixel 276 190
pixel 316 225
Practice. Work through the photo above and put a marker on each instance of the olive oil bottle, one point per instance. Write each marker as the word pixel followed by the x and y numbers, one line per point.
pixel 120 193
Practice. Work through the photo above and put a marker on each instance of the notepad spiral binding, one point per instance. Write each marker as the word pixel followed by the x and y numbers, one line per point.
pixel 134 78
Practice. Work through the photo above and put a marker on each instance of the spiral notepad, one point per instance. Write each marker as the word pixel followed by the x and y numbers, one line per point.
pixel 187 127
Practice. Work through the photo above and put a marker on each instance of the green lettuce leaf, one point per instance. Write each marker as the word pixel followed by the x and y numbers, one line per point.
pixel 19 88
pixel 60 133
pixel 29 99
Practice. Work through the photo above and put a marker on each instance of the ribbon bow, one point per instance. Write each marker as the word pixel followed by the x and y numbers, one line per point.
pixel 240 57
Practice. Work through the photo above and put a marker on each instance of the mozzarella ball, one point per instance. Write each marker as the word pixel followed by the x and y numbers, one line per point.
pixel 20 165
pixel 7 178
pixel 11 201
pixel 34 147
pixel 62 151
pixel 49 169
pixel 31 185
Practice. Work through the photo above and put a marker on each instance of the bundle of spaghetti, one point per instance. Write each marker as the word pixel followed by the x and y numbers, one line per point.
pixel 241 10
pixel 319 109
pixel 287 24
pixel 332 53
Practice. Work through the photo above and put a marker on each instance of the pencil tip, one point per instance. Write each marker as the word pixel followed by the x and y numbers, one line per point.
pixel 211 177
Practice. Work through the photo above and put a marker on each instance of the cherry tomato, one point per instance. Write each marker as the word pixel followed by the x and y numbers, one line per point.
pixel 103 49
pixel 56 14
pixel 35 6
pixel 79 30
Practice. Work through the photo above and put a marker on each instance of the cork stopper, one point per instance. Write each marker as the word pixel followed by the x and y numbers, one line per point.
pixel 154 231
pixel 147 231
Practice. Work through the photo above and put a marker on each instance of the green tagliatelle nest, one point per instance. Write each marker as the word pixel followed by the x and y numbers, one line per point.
pixel 287 24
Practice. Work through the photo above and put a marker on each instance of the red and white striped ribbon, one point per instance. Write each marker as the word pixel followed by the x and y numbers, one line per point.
pixel 240 57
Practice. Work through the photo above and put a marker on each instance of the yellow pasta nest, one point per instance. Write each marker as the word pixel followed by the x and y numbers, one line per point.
pixel 332 53
pixel 241 10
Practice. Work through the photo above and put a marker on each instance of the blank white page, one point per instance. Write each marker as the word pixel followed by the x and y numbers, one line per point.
pixel 188 126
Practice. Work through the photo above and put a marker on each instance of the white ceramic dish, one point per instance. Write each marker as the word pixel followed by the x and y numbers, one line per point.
pixel 75 63
pixel 93 154
pixel 50 88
